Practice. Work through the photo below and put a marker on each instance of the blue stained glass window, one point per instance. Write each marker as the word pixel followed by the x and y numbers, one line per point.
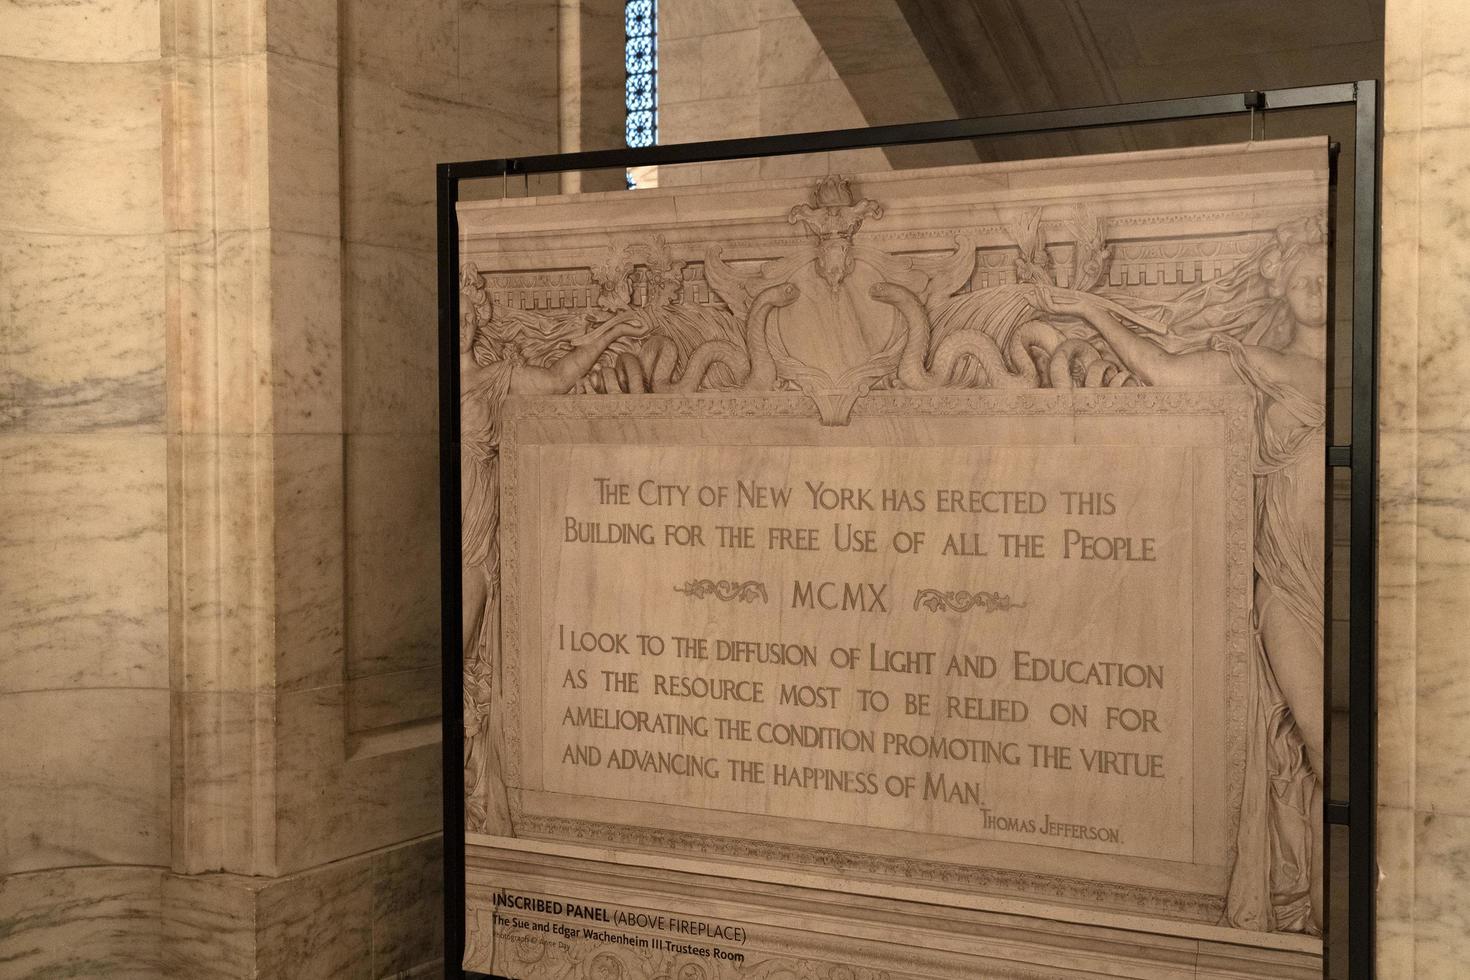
pixel 641 61
pixel 639 55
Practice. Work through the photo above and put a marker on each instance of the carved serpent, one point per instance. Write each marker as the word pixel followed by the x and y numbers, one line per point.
pixel 914 373
pixel 1033 335
pixel 652 367
pixel 1077 361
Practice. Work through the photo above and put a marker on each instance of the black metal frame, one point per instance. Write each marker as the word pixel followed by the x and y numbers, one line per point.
pixel 1359 455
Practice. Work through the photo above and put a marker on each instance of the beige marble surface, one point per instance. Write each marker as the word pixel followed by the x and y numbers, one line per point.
pixel 89 31
pixel 733 70
pixel 308 558
pixel 78 134
pixel 82 562
pixel 392 553
pixel 302 391
pixel 329 806
pixel 1424 553
pixel 390 340
pixel 84 705
pixel 82 922
pixel 81 333
pixel 92 784
pixel 304 167
pixel 364 918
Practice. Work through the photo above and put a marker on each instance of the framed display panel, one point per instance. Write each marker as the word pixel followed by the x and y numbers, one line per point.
pixel 881 558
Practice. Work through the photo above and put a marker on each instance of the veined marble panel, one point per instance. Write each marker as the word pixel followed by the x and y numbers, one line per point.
pixel 1395 899
pixel 304 165
pixel 678 71
pixel 83 550
pixel 77 135
pixel 373 916
pixel 81 31
pixel 306 29
pixel 729 62
pixel 1441 893
pixel 1444 28
pixel 308 560
pixel 391 141
pixel 709 119
pixel 81 333
pixel 329 807
pixel 391 340
pixel 387 701
pixel 318 924
pixel 392 557
pixel 790 53
pixel 698 17
pixel 1443 160
pixel 1442 667
pixel 408 900
pixel 83 923
pixel 209 927
pixel 1424 783
pixel 92 785
pixel 508 51
pixel 305 335
pixel 413 46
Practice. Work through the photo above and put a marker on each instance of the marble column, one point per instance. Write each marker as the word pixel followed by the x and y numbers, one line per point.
pixel 1424 486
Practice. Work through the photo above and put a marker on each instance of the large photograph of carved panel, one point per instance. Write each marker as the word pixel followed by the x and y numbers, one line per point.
pixel 903 574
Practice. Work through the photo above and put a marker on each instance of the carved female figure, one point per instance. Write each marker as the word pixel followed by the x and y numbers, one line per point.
pixel 491 366
pixel 1275 884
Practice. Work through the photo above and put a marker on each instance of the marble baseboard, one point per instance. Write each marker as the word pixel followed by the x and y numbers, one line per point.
pixel 370 917
pixel 82 923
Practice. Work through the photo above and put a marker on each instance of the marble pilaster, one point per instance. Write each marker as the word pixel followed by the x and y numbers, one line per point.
pixel 1424 552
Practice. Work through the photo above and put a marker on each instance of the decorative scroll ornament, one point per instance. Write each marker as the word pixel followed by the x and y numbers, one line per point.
pixel 962 601
pixel 724 590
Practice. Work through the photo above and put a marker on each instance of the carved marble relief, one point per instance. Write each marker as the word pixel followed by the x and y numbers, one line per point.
pixel 861 309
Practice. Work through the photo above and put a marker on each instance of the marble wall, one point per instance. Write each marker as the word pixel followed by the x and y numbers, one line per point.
pixel 84 668
pixel 729 70
pixel 218 535
pixel 1424 482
